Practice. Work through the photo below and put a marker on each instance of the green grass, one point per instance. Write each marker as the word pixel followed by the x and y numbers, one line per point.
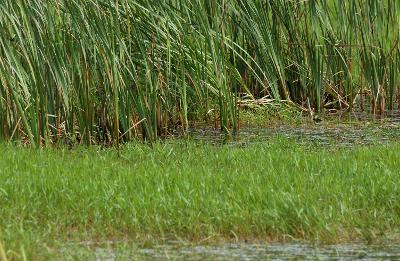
pixel 270 115
pixel 279 190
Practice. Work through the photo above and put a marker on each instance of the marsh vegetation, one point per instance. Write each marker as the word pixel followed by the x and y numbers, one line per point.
pixel 196 192
pixel 100 71
pixel 105 72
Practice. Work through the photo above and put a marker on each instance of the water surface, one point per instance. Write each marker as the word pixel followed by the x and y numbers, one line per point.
pixel 325 134
pixel 271 251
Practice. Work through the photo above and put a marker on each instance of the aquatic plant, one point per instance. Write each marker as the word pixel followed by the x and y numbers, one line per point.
pixel 278 189
pixel 103 71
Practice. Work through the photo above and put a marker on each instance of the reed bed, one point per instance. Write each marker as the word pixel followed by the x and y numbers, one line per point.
pixel 106 71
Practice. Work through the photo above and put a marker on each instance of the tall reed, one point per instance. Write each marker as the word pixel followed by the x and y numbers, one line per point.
pixel 104 71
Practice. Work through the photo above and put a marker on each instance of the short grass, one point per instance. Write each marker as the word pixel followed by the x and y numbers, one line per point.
pixel 279 190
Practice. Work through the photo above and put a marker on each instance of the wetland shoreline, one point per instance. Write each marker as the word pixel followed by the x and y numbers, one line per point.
pixel 194 190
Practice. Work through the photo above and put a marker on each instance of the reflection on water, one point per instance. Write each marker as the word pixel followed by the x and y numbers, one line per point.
pixel 273 251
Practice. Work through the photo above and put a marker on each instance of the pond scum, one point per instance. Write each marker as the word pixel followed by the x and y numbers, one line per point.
pixel 106 71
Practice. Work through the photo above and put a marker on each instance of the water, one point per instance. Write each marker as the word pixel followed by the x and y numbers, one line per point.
pixel 271 251
pixel 325 134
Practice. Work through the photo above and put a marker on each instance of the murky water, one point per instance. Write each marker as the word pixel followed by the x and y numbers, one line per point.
pixel 272 251
pixel 325 134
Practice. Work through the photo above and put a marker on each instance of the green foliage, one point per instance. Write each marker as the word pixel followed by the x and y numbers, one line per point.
pixel 102 71
pixel 274 190
pixel 270 115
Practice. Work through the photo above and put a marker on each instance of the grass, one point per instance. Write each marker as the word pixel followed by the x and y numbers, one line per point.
pixel 278 190
pixel 271 115
pixel 101 71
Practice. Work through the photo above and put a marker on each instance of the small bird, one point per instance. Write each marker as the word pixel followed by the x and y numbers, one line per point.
pixel 316 118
